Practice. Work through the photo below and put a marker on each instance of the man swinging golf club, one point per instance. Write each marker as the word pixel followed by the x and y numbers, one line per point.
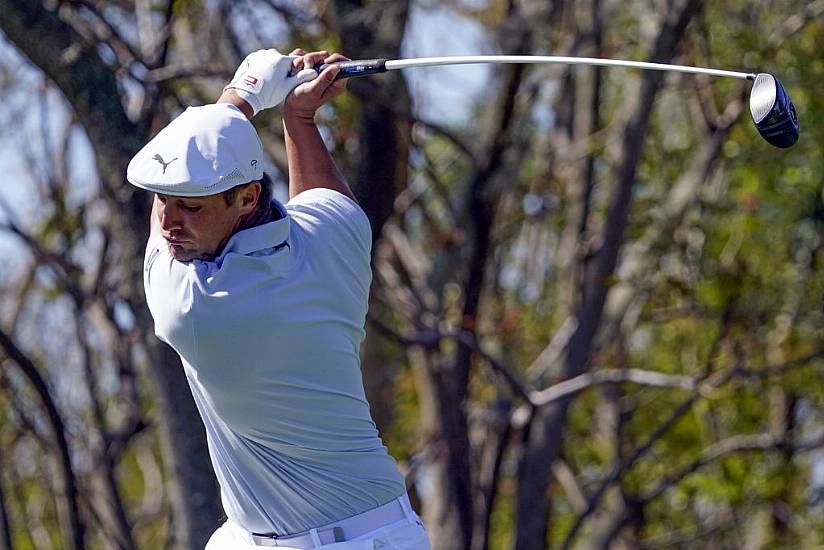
pixel 265 304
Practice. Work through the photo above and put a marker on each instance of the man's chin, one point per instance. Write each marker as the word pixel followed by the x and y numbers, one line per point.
pixel 181 254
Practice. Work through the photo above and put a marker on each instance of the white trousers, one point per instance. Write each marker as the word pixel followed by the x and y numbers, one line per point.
pixel 401 535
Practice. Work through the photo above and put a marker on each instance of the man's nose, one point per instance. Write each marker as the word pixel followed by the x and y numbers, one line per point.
pixel 169 217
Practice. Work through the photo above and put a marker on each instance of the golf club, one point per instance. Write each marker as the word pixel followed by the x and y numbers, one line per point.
pixel 770 105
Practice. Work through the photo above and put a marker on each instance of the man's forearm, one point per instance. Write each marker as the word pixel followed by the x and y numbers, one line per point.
pixel 310 163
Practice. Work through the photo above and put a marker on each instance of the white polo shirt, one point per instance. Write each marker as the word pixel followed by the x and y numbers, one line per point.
pixel 269 335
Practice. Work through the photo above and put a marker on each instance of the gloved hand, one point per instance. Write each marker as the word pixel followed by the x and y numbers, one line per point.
pixel 263 79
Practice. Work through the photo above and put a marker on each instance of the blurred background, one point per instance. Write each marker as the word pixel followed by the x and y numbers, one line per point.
pixel 596 316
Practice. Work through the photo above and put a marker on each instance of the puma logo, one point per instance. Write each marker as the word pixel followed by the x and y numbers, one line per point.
pixel 159 159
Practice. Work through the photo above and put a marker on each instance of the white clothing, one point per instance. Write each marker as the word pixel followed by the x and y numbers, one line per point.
pixel 269 335
pixel 204 151
pixel 404 532
pixel 403 535
pixel 264 79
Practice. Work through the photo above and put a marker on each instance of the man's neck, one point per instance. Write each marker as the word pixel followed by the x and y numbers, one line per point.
pixel 264 212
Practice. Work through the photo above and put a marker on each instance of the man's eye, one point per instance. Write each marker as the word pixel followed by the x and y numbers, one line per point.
pixel 190 208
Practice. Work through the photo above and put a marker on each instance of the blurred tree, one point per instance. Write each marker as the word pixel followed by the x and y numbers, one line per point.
pixel 596 315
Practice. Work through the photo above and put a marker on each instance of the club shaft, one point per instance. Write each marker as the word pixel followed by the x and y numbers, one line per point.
pixel 558 60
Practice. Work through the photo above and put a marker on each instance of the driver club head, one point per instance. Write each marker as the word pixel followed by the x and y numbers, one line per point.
pixel 773 111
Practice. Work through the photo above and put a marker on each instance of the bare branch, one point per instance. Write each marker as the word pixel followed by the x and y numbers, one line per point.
pixel 736 444
pixel 441 191
pixel 107 33
pixel 17 296
pixel 497 432
pixel 554 351
pixel 290 13
pixel 425 340
pixel 709 379
pixel 75 535
pixel 431 339
pixel 469 339
pixel 106 461
pixel 686 539
pixel 781 369
pixel 795 23
pixel 566 477
pixel 23 414
pixel 448 134
pixel 5 526
pixel 58 264
pixel 413 263
pixel 153 487
pixel 611 376
pixel 406 300
pixel 177 72
pixel 731 445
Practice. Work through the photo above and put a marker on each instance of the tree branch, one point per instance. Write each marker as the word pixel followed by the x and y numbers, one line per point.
pixel 731 445
pixel 107 33
pixel 544 443
pixel 56 263
pixel 795 23
pixel 735 444
pixel 611 376
pixel 75 535
pixel 448 134
pixel 5 526
pixel 177 72
pixel 709 379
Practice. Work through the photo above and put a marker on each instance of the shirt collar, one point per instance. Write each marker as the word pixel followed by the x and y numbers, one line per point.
pixel 259 238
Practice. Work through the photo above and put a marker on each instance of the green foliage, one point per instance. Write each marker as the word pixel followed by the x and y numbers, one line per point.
pixel 402 438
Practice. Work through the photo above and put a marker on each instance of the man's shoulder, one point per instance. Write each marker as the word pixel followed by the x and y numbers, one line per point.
pixel 322 197
pixel 335 216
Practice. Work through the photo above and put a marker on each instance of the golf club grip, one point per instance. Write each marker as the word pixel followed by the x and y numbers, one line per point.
pixel 358 67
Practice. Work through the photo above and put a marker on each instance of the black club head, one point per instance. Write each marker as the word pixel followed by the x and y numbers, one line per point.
pixel 773 111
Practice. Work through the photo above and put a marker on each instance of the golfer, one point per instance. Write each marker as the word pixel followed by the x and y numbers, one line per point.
pixel 265 304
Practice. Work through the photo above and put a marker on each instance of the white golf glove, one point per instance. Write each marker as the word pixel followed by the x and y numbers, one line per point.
pixel 263 79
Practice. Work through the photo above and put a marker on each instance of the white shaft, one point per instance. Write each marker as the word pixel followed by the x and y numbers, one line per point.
pixel 552 59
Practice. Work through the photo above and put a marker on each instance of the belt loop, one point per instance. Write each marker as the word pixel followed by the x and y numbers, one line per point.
pixel 315 538
pixel 407 508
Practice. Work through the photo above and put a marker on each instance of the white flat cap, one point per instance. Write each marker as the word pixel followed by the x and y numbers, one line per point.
pixel 204 151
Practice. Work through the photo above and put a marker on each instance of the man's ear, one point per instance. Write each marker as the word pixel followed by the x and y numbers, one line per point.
pixel 248 197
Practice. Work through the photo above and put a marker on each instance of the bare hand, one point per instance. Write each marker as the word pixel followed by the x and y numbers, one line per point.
pixel 308 97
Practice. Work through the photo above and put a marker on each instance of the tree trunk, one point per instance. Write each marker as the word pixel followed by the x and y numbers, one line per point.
pixel 546 431
pixel 68 501
pixel 5 528
pixel 376 29
pixel 194 494
pixel 92 90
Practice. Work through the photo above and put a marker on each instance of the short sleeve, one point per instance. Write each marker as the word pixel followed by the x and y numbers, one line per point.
pixel 168 285
pixel 334 216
